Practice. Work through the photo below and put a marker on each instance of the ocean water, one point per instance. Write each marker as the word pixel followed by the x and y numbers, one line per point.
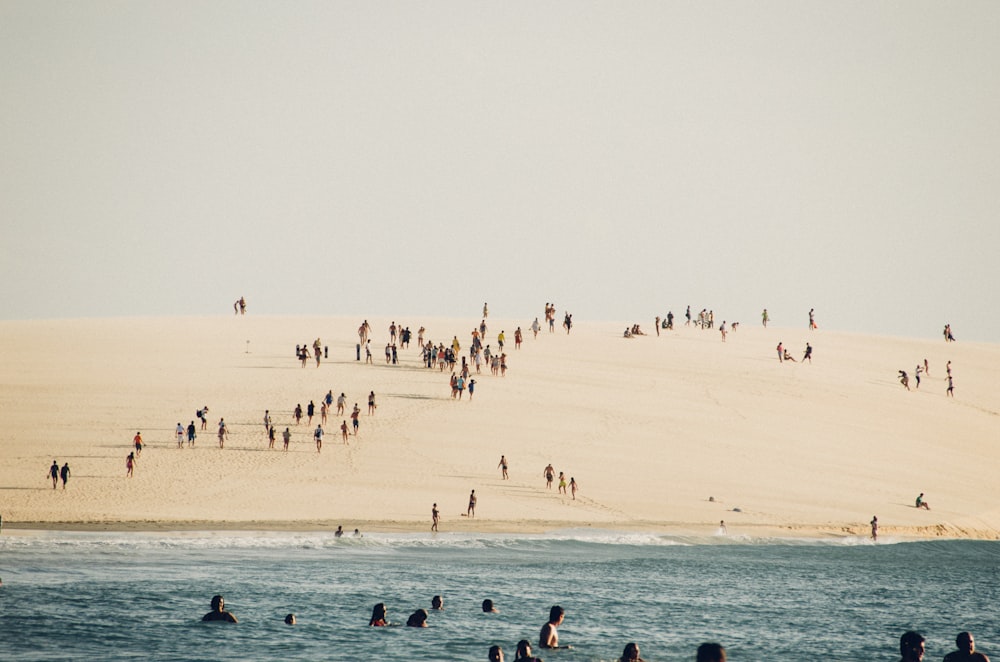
pixel 126 596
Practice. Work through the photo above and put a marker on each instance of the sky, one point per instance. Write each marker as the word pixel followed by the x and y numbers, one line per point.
pixel 619 159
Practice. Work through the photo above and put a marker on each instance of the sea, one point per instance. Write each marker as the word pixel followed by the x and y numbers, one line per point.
pixel 129 596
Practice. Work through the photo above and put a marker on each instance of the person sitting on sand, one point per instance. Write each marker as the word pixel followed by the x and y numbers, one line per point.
pixel 787 357
pixel 417 619
pixel 378 616
pixel 628 333
pixel 921 503
pixel 219 612
pixel 711 653
pixel 549 636
pixel 966 650
pixel 631 653
pixel 524 652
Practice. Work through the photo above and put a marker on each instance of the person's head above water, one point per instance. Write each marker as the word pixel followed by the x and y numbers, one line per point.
pixel 437 602
pixel 496 654
pixel 290 619
pixel 911 646
pixel 378 614
pixel 631 652
pixel 711 653
pixel 488 606
pixel 218 602
pixel 965 642
pixel 556 614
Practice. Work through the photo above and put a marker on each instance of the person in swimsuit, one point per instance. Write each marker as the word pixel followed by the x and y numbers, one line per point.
pixel 524 652
pixel 137 440
pixel 437 603
pixel 354 418
pixel 920 503
pixel 192 433
pixel 874 524
pixel 562 483
pixel 911 647
pixel 435 517
pixel 471 510
pixel 549 474
pixel 180 435
pixel 417 619
pixel 503 467
pixel 286 437
pixel 378 616
pixel 549 636
pixel 371 403
pixel 223 433
pixel 129 465
pixel 343 431
pixel 631 653
pixel 573 487
pixel 54 473
pixel 318 437
pixel 219 612
pixel 496 654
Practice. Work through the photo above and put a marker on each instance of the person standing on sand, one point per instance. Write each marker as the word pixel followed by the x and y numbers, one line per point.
pixel 764 318
pixel 64 474
pixel 472 388
pixel 354 418
pixel 471 510
pixel 318 437
pixel 874 524
pixel 916 374
pixel 310 412
pixel 562 483
pixel 573 487
pixel 343 431
pixel 223 432
pixel 286 436
pixel 781 352
pixel 435 517
pixel 341 401
pixel 54 473
pixel 656 325
pixel 203 415
pixel 270 437
pixel 722 330
pixel 812 319
pixel 808 356
pixel 180 435
pixel 371 403
pixel 503 467
pixel 549 474
pixel 129 465
pixel 192 433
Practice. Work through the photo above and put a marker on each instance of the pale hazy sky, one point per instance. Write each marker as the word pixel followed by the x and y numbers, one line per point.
pixel 419 158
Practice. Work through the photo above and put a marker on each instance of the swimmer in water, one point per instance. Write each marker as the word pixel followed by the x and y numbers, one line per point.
pixel 219 612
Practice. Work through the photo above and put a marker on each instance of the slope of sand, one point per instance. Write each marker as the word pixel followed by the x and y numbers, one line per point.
pixel 650 427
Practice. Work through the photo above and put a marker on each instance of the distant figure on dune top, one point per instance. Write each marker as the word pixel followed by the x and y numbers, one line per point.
pixel 219 612
pixel 764 318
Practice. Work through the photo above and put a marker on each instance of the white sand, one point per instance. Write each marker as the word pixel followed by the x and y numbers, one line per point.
pixel 650 427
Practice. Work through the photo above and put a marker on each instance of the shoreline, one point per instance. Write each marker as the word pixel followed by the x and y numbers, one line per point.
pixel 507 527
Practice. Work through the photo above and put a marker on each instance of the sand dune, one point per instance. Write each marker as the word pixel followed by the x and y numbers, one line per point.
pixel 650 427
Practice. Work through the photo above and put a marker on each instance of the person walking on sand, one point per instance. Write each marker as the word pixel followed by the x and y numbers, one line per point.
pixel 781 352
pixel 130 464
pixel 435 517
pixel 64 474
pixel 318 437
pixel 535 327
pixel 874 524
pixel 137 442
pixel 503 467
pixel 812 319
pixel 192 433
pixel 549 474
pixel 573 487
pixel 223 432
pixel 916 374
pixel 808 356
pixel 286 437
pixel 371 403
pixel 354 418
pixel 471 510
pixel 764 318
pixel 343 430
pixel 951 386
pixel 271 437
pixel 341 402
pixel 54 473
pixel 904 379
pixel 562 483
pixel 179 430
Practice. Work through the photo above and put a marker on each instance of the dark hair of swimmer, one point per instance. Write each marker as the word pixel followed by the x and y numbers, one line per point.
pixel 290 619
pixel 488 606
pixel 711 653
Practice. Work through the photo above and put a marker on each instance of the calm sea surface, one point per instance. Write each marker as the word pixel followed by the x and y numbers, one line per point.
pixel 141 596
